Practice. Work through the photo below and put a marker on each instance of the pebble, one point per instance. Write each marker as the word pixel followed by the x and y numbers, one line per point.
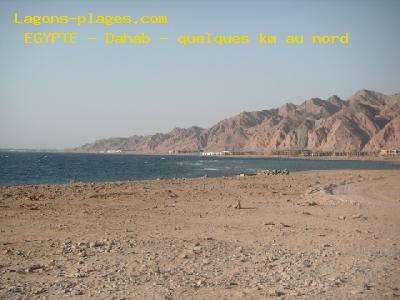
pixel 33 268
pixel 356 216
pixel 276 292
pixel 196 249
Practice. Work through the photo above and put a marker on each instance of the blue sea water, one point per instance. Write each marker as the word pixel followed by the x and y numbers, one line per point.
pixel 21 168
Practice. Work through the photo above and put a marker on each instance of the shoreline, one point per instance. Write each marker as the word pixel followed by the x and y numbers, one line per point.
pixel 150 180
pixel 266 156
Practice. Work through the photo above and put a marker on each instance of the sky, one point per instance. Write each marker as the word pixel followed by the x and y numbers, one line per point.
pixel 62 96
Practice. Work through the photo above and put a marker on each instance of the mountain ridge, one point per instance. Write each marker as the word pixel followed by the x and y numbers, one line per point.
pixel 366 121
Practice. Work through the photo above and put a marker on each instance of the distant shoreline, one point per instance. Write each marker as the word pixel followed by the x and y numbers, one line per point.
pixel 395 159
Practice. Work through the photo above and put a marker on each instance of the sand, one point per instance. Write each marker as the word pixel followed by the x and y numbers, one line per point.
pixel 325 234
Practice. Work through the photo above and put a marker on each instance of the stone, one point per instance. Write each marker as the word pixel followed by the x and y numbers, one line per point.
pixel 196 249
pixel 96 244
pixel 199 283
pixel 33 268
pixel 276 292
pixel 7 252
pixel 366 286
pixel 307 263
pixel 77 292
pixel 237 205
pixel 356 216
pixel 39 291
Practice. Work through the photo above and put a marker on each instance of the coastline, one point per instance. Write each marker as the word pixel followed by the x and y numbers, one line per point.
pixel 314 234
pixel 267 156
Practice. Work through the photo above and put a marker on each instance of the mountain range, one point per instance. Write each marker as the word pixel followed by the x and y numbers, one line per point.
pixel 367 121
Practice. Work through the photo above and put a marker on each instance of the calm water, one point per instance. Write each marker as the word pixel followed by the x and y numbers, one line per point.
pixel 37 168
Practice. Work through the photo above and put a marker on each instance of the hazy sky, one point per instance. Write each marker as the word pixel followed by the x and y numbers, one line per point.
pixel 62 96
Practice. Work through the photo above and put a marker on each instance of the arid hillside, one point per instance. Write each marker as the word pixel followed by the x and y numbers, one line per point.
pixel 367 121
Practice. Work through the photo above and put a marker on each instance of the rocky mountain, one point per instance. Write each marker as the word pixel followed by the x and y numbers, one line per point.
pixel 367 121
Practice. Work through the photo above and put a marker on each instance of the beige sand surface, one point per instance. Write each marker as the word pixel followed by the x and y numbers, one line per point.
pixel 320 235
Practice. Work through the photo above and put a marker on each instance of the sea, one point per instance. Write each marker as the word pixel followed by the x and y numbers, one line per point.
pixel 26 168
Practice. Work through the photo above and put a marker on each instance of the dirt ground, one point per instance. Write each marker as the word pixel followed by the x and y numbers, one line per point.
pixel 320 235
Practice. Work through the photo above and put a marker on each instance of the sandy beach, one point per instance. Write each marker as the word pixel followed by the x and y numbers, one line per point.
pixel 319 235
